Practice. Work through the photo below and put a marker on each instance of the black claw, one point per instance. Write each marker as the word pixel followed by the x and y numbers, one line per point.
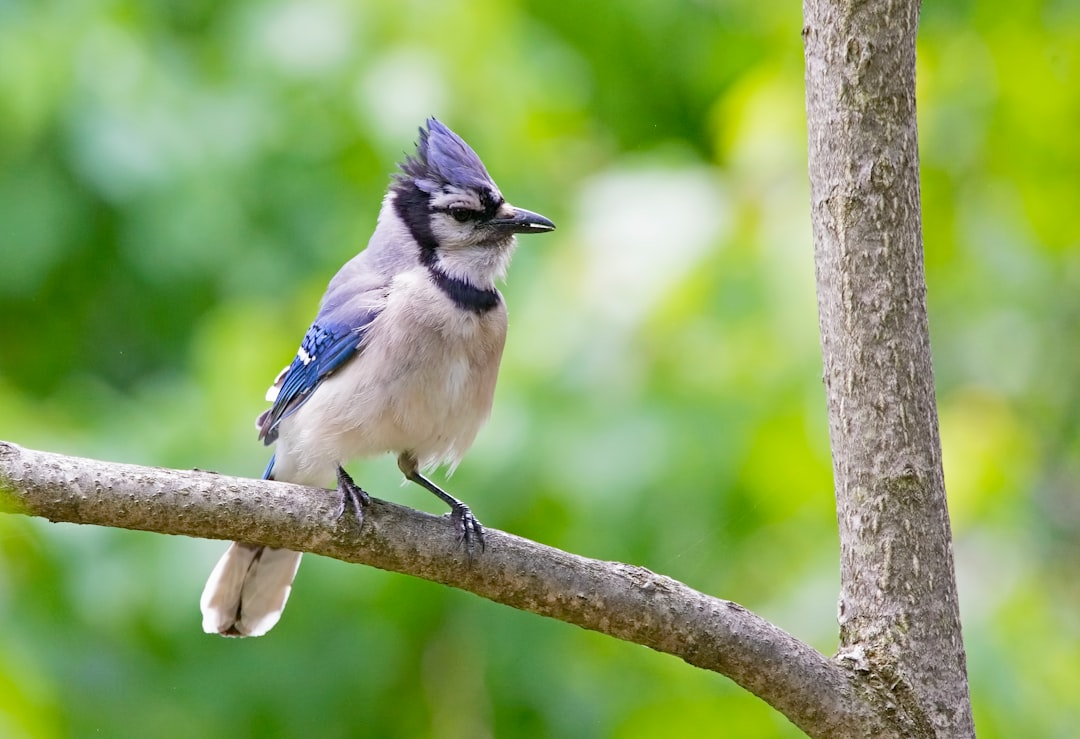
pixel 467 527
pixel 352 496
pixel 465 524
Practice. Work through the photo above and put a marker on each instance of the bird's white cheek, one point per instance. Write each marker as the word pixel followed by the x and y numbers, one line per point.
pixel 481 266
pixel 451 234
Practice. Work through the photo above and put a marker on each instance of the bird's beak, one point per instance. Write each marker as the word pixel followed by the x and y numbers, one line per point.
pixel 521 221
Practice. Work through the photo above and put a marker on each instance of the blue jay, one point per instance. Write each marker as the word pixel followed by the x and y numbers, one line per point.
pixel 402 357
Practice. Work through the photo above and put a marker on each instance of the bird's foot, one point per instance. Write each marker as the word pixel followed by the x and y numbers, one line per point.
pixel 469 530
pixel 352 496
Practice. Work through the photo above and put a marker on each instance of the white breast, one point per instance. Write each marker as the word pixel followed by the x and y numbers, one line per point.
pixel 423 383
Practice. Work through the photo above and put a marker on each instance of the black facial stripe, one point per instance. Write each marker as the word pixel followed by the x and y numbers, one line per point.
pixel 413 207
pixel 473 215
pixel 464 295
pixel 490 202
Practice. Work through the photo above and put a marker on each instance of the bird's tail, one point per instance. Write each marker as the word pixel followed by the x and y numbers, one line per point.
pixel 248 589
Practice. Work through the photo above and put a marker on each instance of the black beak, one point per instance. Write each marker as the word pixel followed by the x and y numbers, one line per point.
pixel 523 222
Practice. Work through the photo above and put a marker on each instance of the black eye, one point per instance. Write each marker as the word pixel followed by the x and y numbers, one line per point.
pixel 462 214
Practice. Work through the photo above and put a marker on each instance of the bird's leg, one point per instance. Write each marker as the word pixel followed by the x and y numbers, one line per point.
pixel 465 524
pixel 351 495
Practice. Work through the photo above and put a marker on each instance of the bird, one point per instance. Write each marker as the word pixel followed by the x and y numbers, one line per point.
pixel 402 357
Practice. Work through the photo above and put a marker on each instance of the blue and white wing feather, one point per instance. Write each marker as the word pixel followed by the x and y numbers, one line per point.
pixel 326 347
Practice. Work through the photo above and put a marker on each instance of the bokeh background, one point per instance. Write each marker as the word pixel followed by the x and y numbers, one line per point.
pixel 179 180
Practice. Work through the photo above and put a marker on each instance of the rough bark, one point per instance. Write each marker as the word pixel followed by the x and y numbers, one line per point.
pixel 824 697
pixel 901 668
pixel 898 609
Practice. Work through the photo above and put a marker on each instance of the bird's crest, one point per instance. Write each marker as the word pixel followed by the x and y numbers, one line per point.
pixel 443 158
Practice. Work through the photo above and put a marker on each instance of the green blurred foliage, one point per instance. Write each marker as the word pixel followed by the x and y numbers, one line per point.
pixel 178 181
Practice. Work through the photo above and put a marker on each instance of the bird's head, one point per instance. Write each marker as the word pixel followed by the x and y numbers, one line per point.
pixel 448 200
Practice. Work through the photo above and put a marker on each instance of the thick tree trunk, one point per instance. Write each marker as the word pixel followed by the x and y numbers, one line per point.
pixel 901 669
pixel 899 618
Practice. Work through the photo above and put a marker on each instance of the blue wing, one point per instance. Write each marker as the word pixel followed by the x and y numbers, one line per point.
pixel 325 348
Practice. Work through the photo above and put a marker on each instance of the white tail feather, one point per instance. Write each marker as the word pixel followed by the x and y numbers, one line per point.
pixel 248 589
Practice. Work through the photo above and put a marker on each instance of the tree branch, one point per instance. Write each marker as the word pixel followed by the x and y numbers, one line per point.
pixel 899 613
pixel 821 696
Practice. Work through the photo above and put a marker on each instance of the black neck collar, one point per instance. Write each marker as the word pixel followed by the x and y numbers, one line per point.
pixel 413 207
pixel 464 295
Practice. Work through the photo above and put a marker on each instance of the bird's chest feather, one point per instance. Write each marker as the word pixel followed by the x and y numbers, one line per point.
pixel 423 383
pixel 444 359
